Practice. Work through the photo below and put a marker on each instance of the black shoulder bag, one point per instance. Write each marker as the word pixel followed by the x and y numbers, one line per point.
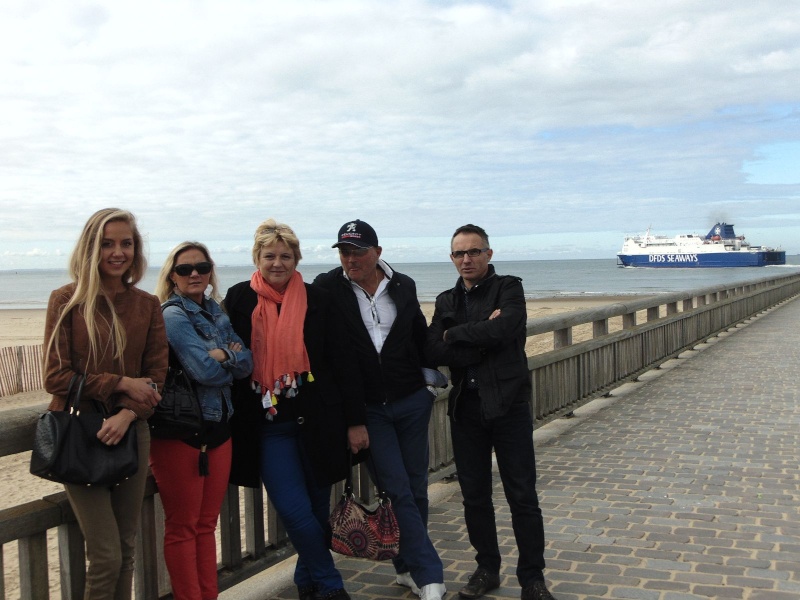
pixel 66 448
pixel 178 416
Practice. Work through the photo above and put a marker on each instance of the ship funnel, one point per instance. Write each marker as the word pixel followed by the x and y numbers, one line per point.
pixel 721 231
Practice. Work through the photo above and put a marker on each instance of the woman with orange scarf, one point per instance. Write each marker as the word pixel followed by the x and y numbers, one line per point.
pixel 292 419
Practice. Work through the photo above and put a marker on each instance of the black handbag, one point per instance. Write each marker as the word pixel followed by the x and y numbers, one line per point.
pixel 178 415
pixel 66 448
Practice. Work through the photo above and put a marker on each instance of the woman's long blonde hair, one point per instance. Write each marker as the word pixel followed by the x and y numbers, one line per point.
pixel 84 270
pixel 165 286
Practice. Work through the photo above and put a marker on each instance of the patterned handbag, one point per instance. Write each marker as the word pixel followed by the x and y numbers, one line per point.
pixel 360 532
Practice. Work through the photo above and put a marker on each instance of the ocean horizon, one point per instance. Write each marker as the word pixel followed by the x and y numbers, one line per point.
pixel 30 288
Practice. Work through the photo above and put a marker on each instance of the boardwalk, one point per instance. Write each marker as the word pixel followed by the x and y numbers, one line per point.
pixel 685 485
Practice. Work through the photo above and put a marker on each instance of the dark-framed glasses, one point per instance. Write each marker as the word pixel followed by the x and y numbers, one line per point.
pixel 353 251
pixel 472 253
pixel 184 270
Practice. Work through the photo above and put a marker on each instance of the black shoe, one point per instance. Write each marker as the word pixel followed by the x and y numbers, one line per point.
pixel 307 592
pixel 482 581
pixel 536 591
pixel 340 594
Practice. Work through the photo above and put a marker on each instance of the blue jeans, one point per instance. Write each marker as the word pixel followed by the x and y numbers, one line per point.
pixel 511 436
pixel 302 506
pixel 398 442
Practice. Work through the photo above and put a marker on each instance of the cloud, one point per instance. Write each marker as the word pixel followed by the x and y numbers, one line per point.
pixel 205 118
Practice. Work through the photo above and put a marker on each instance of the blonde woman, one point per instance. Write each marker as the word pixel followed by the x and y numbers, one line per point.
pixel 290 426
pixel 192 474
pixel 105 328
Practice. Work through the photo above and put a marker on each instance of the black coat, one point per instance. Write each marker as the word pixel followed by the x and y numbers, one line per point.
pixel 496 348
pixel 325 406
pixel 397 371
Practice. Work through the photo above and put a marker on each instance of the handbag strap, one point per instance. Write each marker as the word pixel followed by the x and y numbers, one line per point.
pixel 348 484
pixel 74 393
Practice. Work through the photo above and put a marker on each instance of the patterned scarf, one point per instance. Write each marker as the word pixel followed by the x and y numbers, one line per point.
pixel 279 352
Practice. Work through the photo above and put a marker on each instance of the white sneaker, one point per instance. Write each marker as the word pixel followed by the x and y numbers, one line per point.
pixel 406 580
pixel 432 591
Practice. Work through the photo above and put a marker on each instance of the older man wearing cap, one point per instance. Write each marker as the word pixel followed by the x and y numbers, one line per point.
pixel 386 335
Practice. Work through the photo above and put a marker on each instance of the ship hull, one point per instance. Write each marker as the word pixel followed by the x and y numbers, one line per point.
pixel 666 260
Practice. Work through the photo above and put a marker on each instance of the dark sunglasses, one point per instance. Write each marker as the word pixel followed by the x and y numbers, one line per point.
pixel 202 268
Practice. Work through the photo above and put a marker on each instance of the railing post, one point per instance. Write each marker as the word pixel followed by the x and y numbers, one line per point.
pixel 629 320
pixel 33 580
pixel 672 308
pixel 562 338
pixel 599 328
pixel 255 543
pixel 72 561
pixel 276 532
pixel 146 569
pixel 652 313
pixel 230 536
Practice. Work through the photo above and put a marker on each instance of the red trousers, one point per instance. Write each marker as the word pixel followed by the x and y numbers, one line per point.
pixel 191 509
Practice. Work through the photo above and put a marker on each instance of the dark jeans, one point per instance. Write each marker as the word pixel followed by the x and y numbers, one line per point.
pixel 302 505
pixel 511 436
pixel 398 441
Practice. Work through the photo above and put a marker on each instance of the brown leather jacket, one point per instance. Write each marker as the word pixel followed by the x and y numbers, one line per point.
pixel 146 351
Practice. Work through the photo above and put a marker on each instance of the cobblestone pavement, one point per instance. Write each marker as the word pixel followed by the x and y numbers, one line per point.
pixel 686 486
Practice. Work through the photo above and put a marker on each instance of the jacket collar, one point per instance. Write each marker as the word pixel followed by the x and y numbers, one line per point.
pixel 460 287
pixel 188 305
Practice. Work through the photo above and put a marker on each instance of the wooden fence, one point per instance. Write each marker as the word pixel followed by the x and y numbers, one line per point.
pixel 252 538
pixel 20 369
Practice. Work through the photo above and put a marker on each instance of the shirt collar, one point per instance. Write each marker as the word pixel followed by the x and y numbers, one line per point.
pixel 382 265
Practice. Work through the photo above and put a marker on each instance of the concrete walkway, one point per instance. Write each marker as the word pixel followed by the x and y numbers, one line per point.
pixel 683 485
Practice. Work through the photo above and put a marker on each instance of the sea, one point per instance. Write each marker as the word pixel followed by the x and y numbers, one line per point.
pixel 30 289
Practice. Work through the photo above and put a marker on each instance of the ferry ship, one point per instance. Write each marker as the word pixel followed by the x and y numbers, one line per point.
pixel 721 247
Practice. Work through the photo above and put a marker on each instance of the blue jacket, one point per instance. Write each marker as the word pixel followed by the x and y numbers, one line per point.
pixel 193 331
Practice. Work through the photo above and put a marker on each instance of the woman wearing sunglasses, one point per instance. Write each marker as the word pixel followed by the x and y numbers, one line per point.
pixel 290 432
pixel 192 474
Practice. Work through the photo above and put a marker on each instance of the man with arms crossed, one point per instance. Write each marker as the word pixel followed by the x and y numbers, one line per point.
pixel 386 336
pixel 478 330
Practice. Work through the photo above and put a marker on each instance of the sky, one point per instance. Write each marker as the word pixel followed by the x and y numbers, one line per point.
pixel 560 126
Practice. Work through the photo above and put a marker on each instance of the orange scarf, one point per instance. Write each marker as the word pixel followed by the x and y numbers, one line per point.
pixel 279 352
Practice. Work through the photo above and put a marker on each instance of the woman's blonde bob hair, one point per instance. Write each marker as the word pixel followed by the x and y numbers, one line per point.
pixel 84 270
pixel 271 232
pixel 166 286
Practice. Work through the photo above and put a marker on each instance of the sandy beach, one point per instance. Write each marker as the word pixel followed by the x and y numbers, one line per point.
pixel 26 327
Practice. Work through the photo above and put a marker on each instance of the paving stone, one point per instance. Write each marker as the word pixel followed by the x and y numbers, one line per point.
pixel 708 591
pixel 682 487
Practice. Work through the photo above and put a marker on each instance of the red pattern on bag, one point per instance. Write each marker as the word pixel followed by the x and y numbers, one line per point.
pixel 363 533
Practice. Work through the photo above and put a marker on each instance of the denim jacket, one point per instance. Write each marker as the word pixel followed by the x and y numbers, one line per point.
pixel 193 331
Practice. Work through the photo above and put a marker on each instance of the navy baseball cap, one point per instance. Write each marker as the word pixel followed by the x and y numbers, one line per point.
pixel 357 233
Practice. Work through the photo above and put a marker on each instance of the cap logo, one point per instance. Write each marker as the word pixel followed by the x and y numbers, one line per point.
pixel 351 227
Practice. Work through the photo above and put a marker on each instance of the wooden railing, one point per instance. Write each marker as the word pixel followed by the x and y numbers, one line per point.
pixel 252 538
